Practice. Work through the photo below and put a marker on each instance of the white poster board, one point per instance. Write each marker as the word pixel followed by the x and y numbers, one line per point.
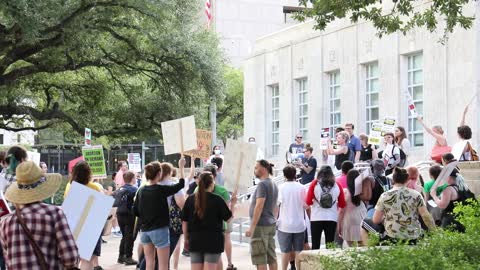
pixel 458 149
pixel 86 211
pixel 324 137
pixel 375 137
pixel 179 135
pixel 239 165
pixel 444 174
pixel 34 156
pixel 134 162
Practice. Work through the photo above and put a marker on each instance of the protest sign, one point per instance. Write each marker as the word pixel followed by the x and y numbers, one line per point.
pixel 239 165
pixel 444 174
pixel 179 135
pixel 359 181
pixel 324 137
pixel 88 136
pixel 388 125
pixel 86 211
pixel 204 145
pixel 34 156
pixel 411 104
pixel 375 137
pixel 134 162
pixel 458 149
pixel 93 155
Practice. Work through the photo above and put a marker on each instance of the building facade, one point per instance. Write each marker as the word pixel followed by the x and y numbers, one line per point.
pixel 11 138
pixel 303 80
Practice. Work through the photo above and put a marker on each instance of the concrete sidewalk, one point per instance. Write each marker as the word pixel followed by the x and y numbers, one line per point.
pixel 108 260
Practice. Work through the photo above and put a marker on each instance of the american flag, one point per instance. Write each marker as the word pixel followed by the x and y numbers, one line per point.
pixel 208 12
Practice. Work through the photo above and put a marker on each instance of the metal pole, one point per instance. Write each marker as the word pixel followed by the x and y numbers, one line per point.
pixel 143 155
pixel 213 120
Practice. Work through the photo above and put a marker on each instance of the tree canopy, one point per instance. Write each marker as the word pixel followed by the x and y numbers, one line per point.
pixel 402 16
pixel 230 110
pixel 119 67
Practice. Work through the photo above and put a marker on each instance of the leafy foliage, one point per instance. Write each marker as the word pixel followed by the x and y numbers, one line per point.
pixel 403 15
pixel 230 108
pixel 119 67
pixel 440 250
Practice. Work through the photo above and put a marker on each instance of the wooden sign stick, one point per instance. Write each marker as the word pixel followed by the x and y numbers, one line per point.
pixel 181 137
pixel 83 217
pixel 240 163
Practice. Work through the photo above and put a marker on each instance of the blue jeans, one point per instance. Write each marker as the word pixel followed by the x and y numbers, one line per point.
pixel 173 243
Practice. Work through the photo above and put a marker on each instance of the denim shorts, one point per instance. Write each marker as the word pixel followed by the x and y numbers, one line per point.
pixel 160 238
pixel 291 241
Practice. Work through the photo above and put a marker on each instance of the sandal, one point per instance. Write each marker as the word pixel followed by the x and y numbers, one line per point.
pixel 231 267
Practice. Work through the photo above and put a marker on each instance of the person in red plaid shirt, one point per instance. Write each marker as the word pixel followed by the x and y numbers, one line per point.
pixel 47 224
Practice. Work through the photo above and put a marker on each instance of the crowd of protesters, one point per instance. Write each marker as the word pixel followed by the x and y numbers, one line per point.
pixel 337 200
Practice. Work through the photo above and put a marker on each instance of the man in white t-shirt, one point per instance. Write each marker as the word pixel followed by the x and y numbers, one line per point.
pixel 291 220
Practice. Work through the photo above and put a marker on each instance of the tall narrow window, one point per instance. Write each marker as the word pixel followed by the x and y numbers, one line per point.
pixel 302 86
pixel 372 90
pixel 1 138
pixel 415 88
pixel 335 114
pixel 275 140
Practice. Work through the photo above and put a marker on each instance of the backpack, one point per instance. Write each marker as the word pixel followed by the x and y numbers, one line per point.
pixel 383 182
pixel 403 157
pixel 121 200
pixel 175 214
pixel 326 198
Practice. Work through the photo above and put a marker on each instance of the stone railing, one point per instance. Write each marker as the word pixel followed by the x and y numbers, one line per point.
pixel 471 172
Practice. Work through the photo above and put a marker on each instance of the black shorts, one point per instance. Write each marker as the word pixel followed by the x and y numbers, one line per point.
pixel 98 247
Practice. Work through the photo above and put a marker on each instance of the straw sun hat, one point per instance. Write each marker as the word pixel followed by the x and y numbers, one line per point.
pixel 32 184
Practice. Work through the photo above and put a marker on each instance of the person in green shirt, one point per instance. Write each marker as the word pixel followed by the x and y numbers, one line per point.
pixel 434 172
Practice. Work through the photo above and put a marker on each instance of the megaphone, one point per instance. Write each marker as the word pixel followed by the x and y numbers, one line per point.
pixel 293 158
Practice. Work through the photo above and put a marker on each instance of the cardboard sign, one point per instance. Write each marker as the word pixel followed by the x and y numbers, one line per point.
pixel 88 136
pixel 375 137
pixel 204 145
pixel 86 211
pixel 359 181
pixel 444 174
pixel 388 125
pixel 239 165
pixel 458 149
pixel 34 156
pixel 324 137
pixel 134 162
pixel 179 135
pixel 93 155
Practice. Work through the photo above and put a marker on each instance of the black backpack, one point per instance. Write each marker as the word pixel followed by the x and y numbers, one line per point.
pixel 403 157
pixel 121 200
pixel 326 198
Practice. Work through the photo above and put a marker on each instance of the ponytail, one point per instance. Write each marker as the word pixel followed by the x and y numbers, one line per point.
pixel 206 180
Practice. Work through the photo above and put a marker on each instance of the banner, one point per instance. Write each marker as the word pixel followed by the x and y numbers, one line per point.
pixel 411 104
pixel 86 211
pixel 324 137
pixel 179 135
pixel 88 136
pixel 134 162
pixel 375 137
pixel 204 145
pixel 93 155
pixel 239 165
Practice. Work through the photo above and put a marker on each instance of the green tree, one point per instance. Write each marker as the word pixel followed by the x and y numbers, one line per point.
pixel 230 108
pixel 119 67
pixel 400 16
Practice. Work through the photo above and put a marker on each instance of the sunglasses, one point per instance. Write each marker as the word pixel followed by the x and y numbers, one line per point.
pixel 299 137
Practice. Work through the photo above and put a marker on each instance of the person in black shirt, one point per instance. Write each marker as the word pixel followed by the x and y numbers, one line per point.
pixel 308 166
pixel 203 216
pixel 126 219
pixel 368 151
pixel 151 207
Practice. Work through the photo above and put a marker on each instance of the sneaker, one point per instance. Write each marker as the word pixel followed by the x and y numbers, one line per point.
pixel 97 268
pixel 121 259
pixel 130 261
pixel 186 253
pixel 117 234
pixel 103 241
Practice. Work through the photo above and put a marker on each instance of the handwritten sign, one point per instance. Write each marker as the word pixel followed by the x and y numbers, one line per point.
pixel 239 165
pixel 324 137
pixel 86 211
pixel 388 125
pixel 204 145
pixel 93 155
pixel 179 135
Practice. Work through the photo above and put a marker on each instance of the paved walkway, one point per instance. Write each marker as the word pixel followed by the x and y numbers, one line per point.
pixel 108 260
